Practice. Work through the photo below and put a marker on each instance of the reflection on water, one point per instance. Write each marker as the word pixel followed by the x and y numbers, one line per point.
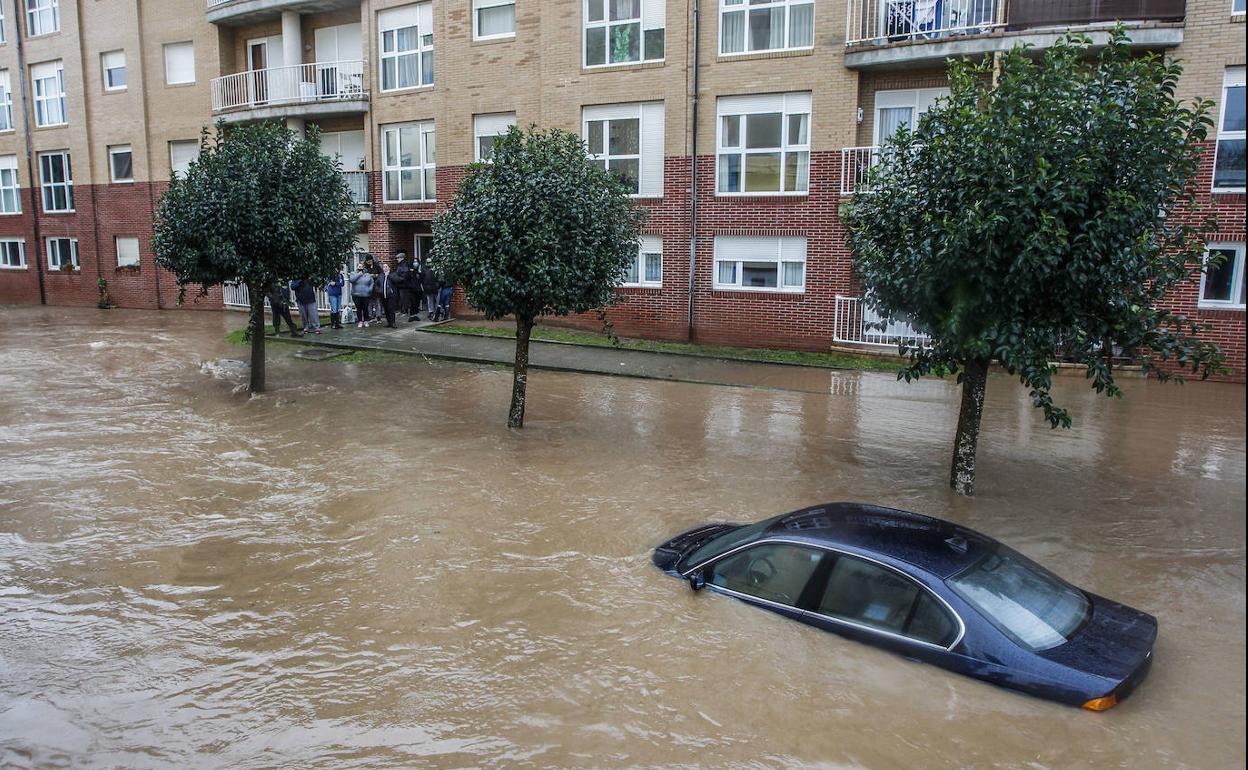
pixel 362 568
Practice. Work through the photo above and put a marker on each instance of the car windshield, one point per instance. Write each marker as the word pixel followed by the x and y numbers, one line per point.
pixel 1029 604
pixel 729 540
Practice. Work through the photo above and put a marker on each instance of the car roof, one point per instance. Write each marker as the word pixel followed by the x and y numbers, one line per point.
pixel 938 547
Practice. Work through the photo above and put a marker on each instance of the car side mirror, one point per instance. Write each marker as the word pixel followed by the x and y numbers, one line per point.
pixel 697 580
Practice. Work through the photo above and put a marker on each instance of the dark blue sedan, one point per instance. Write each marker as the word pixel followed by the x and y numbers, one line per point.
pixel 930 590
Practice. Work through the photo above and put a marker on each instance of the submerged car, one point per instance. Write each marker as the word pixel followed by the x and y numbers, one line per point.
pixel 929 590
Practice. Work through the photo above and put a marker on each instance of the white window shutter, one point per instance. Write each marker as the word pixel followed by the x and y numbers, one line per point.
pixel 397 18
pixel 793 249
pixel 654 14
pixel 651 184
pixel 424 18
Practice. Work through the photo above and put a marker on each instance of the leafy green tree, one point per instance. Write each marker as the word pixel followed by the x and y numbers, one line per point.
pixel 261 206
pixel 1046 215
pixel 541 229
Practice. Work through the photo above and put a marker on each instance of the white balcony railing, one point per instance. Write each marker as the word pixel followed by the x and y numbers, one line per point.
pixel 294 84
pixel 358 182
pixel 889 21
pixel 855 323
pixel 236 296
pixel 856 162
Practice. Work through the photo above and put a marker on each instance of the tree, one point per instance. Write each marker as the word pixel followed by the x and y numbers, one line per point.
pixel 1046 215
pixel 541 229
pixel 260 206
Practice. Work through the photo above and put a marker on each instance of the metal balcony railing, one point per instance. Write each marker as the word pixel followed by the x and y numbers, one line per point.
pixel 294 84
pixel 358 182
pixel 855 323
pixel 887 21
pixel 1025 14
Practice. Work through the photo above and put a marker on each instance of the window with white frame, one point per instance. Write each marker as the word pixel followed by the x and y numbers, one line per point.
pixel 127 251
pixel 627 140
pixel 62 253
pixel 12 254
pixel 406 46
pixel 487 128
pixel 1222 280
pixel 893 109
pixel 179 63
pixel 647 268
pixel 624 31
pixel 763 144
pixel 42 17
pixel 113 65
pixel 493 19
pixel 121 163
pixel 407 162
pixel 765 25
pixel 1228 164
pixel 1237 7
pixel 48 79
pixel 6 102
pixel 181 154
pixel 10 186
pixel 3 37
pixel 760 263
pixel 56 181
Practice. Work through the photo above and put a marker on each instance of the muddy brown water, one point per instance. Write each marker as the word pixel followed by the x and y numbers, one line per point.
pixel 364 568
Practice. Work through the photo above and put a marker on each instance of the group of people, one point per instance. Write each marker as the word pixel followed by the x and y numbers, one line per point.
pixel 376 290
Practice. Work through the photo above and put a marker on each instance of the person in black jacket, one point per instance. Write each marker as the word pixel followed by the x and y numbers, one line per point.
pixel 305 298
pixel 429 287
pixel 387 291
pixel 278 298
pixel 403 276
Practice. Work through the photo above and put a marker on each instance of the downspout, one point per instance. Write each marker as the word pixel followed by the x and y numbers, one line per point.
pixel 23 75
pixel 693 168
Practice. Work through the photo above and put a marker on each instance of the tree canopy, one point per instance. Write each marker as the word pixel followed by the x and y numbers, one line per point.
pixel 1041 211
pixel 540 229
pixel 261 206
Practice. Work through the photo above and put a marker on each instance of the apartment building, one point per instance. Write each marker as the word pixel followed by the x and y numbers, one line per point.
pixel 741 125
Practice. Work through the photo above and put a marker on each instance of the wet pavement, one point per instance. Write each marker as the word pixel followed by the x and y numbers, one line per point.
pixel 364 568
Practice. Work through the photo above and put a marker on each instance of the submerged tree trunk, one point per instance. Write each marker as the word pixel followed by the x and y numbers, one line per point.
pixel 962 472
pixel 257 338
pixel 520 372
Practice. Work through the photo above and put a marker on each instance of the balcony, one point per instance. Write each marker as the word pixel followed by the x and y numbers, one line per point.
pixel 312 90
pixel 899 33
pixel 855 323
pixel 358 182
pixel 240 12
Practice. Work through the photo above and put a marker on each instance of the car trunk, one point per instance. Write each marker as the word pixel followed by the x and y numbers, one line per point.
pixel 1115 643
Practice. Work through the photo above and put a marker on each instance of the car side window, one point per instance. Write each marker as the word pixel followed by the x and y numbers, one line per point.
pixel 870 595
pixel 776 572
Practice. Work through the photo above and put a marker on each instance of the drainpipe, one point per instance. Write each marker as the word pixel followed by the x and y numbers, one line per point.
pixel 23 75
pixel 693 169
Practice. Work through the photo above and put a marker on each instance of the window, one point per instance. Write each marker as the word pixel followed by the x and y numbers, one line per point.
pixel 12 254
pixel 493 19
pixel 1228 165
pixel 647 268
pixel 776 572
pixel 6 102
pixel 487 128
pixel 121 163
pixel 407 162
pixel 181 155
pixel 113 64
pixel 49 82
pixel 406 46
pixel 10 186
pixel 760 263
pixel 895 108
pixel 1222 284
pixel 764 144
pixel 623 31
pixel 179 63
pixel 42 17
pixel 875 596
pixel 62 253
pixel 765 25
pixel 2 37
pixel 127 251
pixel 627 139
pixel 56 180
pixel 1237 7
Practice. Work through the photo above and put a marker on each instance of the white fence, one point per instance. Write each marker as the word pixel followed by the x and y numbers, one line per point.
pixel 855 163
pixel 358 182
pixel 297 83
pixel 855 323
pixel 237 297
pixel 887 21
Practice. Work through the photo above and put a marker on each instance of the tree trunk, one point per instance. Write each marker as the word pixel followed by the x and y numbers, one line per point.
pixel 962 472
pixel 257 338
pixel 520 372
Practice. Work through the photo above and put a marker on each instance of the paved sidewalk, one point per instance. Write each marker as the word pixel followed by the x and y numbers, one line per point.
pixel 565 357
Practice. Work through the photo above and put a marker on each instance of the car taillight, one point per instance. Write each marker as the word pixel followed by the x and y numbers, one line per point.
pixel 1102 704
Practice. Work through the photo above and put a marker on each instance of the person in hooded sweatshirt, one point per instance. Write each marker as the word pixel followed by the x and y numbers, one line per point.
pixel 361 294
pixel 429 287
pixel 386 289
pixel 305 298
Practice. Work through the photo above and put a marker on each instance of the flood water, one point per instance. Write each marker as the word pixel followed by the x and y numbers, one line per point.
pixel 364 568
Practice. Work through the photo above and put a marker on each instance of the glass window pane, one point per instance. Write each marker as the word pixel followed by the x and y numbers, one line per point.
pixel 431 183
pixel 389 74
pixel 727 273
pixel 732 33
pixel 654 267
pixel 1218 277
pixel 797 129
pixel 624 137
pixel 625 9
pixel 763 275
pixel 891 119
pixel 730 173
pixel 766 28
pixel 630 274
pixel 430 148
pixel 392 185
pixel 485 147
pixel 762 172
pixel 409 186
pixel 122 165
pixel 654 43
pixel 408 146
pixel 1228 170
pixel 793 274
pixel 930 622
pixel 426 68
pixel 861 592
pixel 392 148
pixel 408 65
pixel 796 171
pixel 596 10
pixel 777 572
pixel 801 25
pixel 499 20
pixel 595 137
pixel 1233 118
pixel 596 46
pixel 730 131
pixel 763 130
pixel 625 43
pixel 628 170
